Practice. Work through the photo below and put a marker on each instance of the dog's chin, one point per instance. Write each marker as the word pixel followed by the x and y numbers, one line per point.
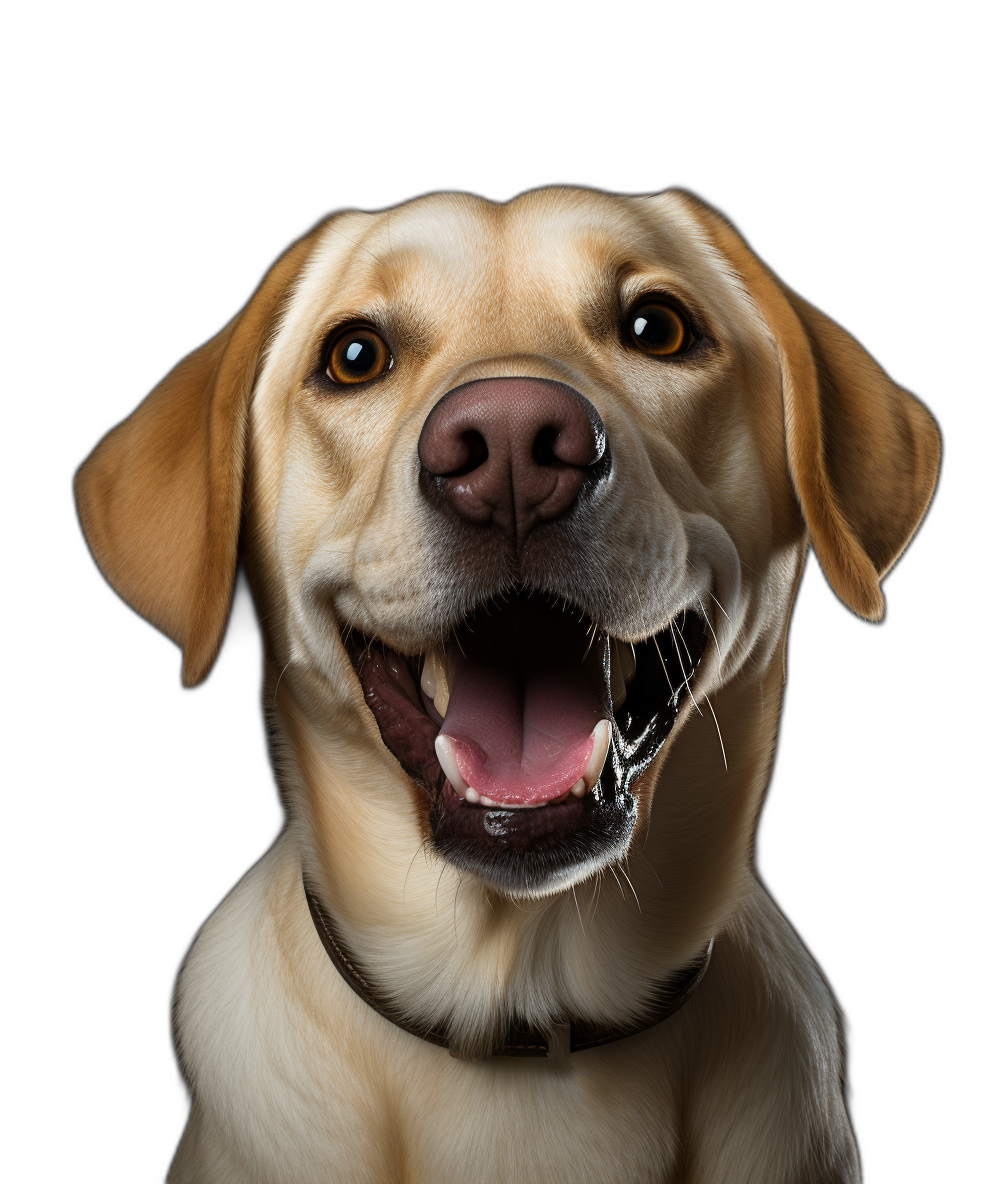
pixel 527 733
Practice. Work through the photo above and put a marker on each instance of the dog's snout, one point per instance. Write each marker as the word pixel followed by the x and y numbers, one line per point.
pixel 511 452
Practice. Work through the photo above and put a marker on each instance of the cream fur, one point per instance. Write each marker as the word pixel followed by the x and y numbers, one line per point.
pixel 293 1077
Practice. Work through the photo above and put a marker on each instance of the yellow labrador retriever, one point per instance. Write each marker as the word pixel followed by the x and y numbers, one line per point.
pixel 523 492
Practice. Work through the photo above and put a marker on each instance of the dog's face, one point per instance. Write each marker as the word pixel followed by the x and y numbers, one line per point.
pixel 556 458
pixel 521 488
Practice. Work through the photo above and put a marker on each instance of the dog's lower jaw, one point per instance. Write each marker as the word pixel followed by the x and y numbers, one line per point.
pixel 604 830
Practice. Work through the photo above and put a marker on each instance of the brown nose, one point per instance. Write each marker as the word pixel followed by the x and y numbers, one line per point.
pixel 513 452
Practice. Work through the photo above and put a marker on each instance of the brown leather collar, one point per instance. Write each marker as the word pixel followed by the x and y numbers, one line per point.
pixel 520 1040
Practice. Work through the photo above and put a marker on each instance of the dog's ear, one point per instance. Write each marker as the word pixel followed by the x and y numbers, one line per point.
pixel 863 453
pixel 160 497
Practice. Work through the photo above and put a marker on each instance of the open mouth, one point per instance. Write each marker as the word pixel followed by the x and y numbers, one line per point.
pixel 527 730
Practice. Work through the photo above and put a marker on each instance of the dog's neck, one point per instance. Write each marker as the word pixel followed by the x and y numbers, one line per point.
pixel 447 950
pixel 567 1035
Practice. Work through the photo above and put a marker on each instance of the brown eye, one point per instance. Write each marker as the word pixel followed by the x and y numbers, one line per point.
pixel 658 329
pixel 358 355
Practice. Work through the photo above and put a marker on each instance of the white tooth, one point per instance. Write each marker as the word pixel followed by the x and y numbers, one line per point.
pixel 488 801
pixel 578 789
pixel 434 681
pixel 601 735
pixel 617 687
pixel 446 759
pixel 627 661
pixel 472 797
pixel 428 679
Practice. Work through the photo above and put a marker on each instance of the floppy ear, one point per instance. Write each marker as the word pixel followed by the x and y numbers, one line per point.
pixel 160 497
pixel 863 453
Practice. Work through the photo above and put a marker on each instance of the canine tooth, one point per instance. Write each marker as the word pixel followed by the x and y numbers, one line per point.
pixel 428 680
pixel 472 797
pixel 578 789
pixel 601 736
pixel 446 759
pixel 627 661
pixel 434 681
pixel 617 687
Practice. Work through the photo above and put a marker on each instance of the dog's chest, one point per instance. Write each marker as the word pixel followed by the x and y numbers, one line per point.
pixel 600 1116
pixel 426 1118
pixel 385 1106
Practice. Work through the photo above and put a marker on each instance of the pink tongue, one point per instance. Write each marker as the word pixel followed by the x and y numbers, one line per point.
pixel 522 736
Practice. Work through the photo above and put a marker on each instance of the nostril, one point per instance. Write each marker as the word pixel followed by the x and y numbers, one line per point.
pixel 542 446
pixel 476 452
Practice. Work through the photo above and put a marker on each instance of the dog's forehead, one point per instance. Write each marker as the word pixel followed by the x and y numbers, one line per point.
pixel 566 242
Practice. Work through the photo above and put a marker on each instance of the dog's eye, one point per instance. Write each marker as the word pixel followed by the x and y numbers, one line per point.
pixel 658 329
pixel 358 355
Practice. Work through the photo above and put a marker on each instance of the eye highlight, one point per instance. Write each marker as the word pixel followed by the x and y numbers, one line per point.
pixel 656 328
pixel 357 355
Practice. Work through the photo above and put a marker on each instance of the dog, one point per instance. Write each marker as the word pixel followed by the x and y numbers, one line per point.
pixel 523 492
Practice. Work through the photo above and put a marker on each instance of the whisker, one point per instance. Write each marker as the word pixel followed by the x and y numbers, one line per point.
pixel 360 246
pixel 711 628
pixel 596 895
pixel 457 642
pixel 651 866
pixel 720 606
pixel 718 726
pixel 675 630
pixel 409 869
pixel 678 630
pixel 591 641
pixel 438 887
pixel 663 666
pixel 632 888
pixel 282 673
pixel 578 907
pixel 455 908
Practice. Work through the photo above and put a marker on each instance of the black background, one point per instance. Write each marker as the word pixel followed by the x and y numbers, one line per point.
pixel 167 797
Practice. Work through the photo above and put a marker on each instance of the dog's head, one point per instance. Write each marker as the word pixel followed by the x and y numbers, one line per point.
pixel 518 488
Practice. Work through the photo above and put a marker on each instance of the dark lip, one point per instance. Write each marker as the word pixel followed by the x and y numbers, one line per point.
pixel 534 851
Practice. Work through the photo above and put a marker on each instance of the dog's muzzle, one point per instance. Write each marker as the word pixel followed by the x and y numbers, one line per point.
pixel 526 723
